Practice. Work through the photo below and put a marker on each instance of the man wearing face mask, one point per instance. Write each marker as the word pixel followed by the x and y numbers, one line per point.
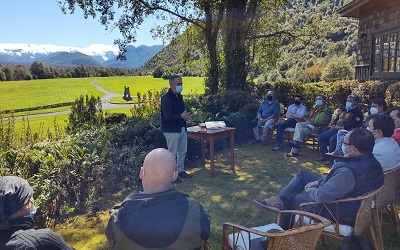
pixel 359 174
pixel 395 114
pixel 386 149
pixel 16 219
pixel 295 113
pixel 318 116
pixel 173 124
pixel 267 113
pixel 350 117
pixel 378 106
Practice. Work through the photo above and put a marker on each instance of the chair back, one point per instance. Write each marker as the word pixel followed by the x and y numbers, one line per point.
pixel 364 215
pixel 390 189
pixel 304 233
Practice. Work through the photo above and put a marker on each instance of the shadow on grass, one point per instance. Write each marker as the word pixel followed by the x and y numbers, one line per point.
pixel 228 197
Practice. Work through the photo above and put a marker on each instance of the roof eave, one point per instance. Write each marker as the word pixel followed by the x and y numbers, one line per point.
pixel 352 9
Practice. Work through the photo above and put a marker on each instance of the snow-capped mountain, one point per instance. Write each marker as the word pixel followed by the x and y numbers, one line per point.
pixel 104 54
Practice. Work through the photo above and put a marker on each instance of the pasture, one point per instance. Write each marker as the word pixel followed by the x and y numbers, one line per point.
pixel 25 94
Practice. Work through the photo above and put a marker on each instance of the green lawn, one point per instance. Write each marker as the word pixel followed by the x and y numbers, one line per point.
pixel 227 197
pixel 142 84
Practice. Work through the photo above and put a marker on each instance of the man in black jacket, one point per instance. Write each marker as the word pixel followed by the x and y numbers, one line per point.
pixel 173 124
pixel 16 219
pixel 160 217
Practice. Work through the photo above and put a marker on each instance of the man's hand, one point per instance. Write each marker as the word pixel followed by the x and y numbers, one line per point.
pixel 311 185
pixel 185 115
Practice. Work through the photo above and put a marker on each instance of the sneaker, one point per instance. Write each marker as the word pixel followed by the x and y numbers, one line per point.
pixel 295 144
pixel 184 175
pixel 291 154
pixel 277 148
pixel 264 143
pixel 177 181
pixel 335 154
pixel 273 203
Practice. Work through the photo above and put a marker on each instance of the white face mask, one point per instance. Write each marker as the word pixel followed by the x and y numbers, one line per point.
pixel 373 111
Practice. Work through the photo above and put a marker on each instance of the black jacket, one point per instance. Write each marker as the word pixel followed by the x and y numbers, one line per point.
pixel 172 106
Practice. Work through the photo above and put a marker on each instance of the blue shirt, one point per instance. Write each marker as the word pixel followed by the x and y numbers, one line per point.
pixel 297 110
pixel 267 109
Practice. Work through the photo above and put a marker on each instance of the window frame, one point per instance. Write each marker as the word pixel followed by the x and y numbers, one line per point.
pixel 382 34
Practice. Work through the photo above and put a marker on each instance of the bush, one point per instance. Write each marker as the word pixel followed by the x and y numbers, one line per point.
pixel 393 95
pixel 338 68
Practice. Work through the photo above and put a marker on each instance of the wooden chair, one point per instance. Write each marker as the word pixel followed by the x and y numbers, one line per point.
pixel 304 233
pixel 364 219
pixel 385 202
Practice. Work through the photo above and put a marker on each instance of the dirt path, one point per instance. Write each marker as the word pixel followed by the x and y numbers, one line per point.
pixel 105 104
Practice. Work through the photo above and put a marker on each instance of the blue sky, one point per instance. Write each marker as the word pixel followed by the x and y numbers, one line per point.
pixel 42 22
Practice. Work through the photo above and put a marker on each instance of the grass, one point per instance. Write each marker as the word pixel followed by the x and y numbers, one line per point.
pixel 227 197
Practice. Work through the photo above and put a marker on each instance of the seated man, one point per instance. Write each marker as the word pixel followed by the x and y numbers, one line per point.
pixel 386 149
pixel 160 216
pixel 17 208
pixel 378 106
pixel 295 113
pixel 349 118
pixel 395 114
pixel 318 116
pixel 267 113
pixel 359 174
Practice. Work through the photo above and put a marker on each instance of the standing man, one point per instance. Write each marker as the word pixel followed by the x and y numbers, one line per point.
pixel 319 115
pixel 173 124
pixel 267 113
pixel 295 113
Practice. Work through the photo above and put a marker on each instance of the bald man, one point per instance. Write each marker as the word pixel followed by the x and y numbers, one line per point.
pixel 160 216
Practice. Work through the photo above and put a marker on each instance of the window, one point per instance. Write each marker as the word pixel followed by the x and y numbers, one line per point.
pixel 386 54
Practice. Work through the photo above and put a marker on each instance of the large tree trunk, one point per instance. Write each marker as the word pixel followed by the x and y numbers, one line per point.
pixel 211 35
pixel 234 45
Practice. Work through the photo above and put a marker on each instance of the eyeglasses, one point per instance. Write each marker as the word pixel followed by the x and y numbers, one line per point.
pixel 347 144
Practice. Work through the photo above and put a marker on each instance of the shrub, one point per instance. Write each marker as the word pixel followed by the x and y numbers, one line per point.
pixel 338 68
pixel 393 95
pixel 370 90
pixel 85 113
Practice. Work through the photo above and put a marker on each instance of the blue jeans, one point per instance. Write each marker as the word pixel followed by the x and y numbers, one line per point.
pixel 293 194
pixel 280 126
pixel 339 139
pixel 327 138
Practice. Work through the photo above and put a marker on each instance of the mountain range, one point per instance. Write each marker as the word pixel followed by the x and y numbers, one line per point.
pixel 64 56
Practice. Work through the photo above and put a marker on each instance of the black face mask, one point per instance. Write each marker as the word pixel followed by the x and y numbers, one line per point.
pixel 269 98
pixel 297 102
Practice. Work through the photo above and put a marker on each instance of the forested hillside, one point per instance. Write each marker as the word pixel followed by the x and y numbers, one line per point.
pixel 311 38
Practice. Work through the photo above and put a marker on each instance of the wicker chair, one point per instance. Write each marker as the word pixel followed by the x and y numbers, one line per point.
pixel 304 233
pixel 385 201
pixel 364 223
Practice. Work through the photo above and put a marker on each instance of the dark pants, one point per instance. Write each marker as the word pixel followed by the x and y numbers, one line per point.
pixel 280 126
pixel 327 138
pixel 293 194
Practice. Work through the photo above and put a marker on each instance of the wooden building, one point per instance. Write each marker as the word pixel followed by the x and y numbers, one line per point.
pixel 378 46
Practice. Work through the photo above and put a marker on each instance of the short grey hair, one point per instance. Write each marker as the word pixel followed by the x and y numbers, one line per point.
pixel 173 78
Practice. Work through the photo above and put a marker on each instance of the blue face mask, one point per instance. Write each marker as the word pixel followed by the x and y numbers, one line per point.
pixel 319 102
pixel 344 151
pixel 348 105
pixel 31 214
pixel 178 89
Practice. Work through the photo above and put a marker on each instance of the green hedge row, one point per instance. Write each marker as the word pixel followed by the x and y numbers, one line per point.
pixel 49 106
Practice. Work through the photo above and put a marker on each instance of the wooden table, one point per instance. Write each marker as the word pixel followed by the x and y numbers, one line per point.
pixel 211 135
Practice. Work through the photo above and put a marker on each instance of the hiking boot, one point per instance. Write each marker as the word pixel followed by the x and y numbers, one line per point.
pixel 184 175
pixel 277 148
pixel 291 154
pixel 273 203
pixel 177 181
pixel 295 144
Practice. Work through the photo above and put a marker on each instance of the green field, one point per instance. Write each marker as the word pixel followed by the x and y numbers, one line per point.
pixel 25 94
